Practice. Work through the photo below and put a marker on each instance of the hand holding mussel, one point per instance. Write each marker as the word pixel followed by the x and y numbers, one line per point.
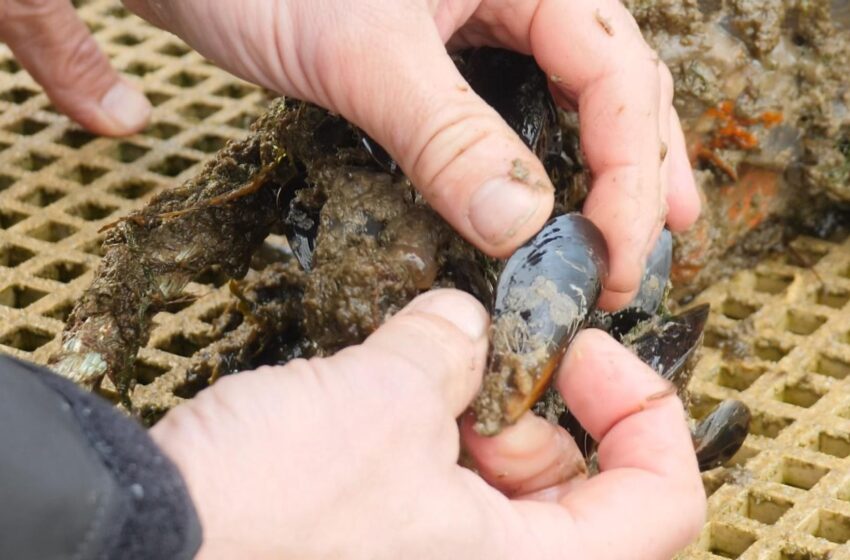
pixel 548 292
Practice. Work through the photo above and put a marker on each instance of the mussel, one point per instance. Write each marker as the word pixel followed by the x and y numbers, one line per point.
pixel 545 294
pixel 548 291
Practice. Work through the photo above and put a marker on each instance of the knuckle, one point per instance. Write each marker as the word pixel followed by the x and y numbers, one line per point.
pixel 442 141
pixel 83 60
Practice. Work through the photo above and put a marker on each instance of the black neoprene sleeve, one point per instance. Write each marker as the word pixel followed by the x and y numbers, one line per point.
pixel 78 480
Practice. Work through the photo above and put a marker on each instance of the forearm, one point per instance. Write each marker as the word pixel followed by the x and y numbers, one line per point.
pixel 78 480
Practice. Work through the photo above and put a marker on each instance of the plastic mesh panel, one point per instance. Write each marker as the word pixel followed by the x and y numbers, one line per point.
pixel 59 185
pixel 786 495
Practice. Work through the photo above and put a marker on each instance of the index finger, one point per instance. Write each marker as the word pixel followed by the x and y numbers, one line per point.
pixel 648 501
pixel 594 54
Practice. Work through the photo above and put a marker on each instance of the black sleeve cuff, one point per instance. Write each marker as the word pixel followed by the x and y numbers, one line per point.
pixel 78 480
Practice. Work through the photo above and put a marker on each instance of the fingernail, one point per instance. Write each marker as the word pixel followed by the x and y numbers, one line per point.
pixel 462 310
pixel 501 207
pixel 127 106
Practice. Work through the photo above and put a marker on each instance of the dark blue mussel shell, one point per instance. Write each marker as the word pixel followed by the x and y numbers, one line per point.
pixel 720 434
pixel 545 294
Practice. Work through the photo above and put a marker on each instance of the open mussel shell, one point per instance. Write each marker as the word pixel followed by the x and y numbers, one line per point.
pixel 543 298
pixel 721 434
pixel 667 346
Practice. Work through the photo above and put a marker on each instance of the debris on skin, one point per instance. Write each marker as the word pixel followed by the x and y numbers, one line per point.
pixel 603 22
pixel 519 171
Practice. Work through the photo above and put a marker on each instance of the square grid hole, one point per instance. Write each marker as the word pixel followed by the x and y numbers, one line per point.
pixel 173 165
pixel 85 174
pixel 800 474
pixel 768 425
pixel 234 91
pixel 27 339
pixel 770 350
pixel 833 443
pixel 92 211
pixel 174 49
pixel 62 271
pixel 727 541
pixel 832 366
pixel 133 189
pixel 199 112
pixel 162 130
pixel 35 161
pixel 803 323
pixel 9 218
pixel 75 138
pixel 6 181
pixel 9 66
pixel 765 508
pixel 60 312
pixel 772 283
pixel 184 345
pixel 157 98
pixel 52 232
pixel 42 196
pixel 737 310
pixel 834 298
pixel 127 152
pixel 20 296
pixel 27 127
pixel 208 143
pixel 831 526
pixel 17 95
pixel 14 255
pixel 186 79
pixel 801 394
pixel 738 376
pixel 147 372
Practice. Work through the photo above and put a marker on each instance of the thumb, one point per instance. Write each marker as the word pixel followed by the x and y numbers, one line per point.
pixel 55 47
pixel 460 154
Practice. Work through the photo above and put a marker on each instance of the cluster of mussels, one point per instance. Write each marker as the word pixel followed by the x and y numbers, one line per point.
pixel 548 291
pixel 362 244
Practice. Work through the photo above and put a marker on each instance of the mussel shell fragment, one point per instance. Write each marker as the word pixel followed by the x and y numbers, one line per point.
pixel 544 296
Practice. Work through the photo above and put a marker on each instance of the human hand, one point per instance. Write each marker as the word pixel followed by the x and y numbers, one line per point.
pixel 355 456
pixel 382 64
pixel 57 49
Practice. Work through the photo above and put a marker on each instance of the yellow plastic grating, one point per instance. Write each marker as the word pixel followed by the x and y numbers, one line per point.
pixel 787 495
pixel 59 184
